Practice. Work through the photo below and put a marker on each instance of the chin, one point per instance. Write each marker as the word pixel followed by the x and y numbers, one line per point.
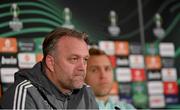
pixel 103 92
pixel 78 86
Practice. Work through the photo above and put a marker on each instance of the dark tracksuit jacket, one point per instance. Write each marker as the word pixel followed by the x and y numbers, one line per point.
pixel 33 90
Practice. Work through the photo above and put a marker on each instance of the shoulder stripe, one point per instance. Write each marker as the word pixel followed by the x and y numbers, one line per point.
pixel 21 89
pixel 24 96
pixel 16 92
pixel 20 94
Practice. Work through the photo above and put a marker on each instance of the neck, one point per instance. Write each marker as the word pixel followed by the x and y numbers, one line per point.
pixel 103 98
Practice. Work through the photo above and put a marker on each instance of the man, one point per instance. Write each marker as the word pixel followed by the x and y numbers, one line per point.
pixel 100 78
pixel 58 81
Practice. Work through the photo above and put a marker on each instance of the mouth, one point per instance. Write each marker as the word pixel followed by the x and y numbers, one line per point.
pixel 79 77
pixel 104 82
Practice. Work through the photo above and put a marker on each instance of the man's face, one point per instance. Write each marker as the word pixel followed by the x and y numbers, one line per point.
pixel 99 74
pixel 70 62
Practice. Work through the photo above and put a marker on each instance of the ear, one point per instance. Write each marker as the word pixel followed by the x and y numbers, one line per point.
pixel 50 63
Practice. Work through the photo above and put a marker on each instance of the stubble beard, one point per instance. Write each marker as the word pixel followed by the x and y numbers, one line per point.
pixel 78 82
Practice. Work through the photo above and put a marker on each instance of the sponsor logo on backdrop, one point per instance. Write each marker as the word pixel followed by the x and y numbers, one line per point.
pixel 136 61
pixel 7 74
pixel 138 75
pixel 125 89
pixel 156 101
pixel 170 88
pixel 26 60
pixel 167 62
pixel 151 49
pixel 135 48
pixel 167 49
pixel 155 87
pixel 8 60
pixel 169 74
pixel 123 75
pixel 26 45
pixel 122 61
pixel 140 100
pixel 154 75
pixel 171 99
pixel 8 45
pixel 122 48
pixel 107 46
pixel 153 62
pixel 139 87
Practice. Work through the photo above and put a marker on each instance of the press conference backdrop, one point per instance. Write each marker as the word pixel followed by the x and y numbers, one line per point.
pixel 146 75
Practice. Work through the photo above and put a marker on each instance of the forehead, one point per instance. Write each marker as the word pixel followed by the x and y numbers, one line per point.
pixel 72 45
pixel 98 60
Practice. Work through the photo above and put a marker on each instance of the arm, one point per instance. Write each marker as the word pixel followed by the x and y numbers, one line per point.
pixel 17 97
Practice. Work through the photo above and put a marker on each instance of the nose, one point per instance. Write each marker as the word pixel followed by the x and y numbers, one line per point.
pixel 102 73
pixel 82 65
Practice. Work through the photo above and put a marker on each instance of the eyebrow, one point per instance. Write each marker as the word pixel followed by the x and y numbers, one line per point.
pixel 99 66
pixel 76 55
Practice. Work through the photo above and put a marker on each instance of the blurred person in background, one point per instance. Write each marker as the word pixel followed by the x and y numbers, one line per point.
pixel 100 78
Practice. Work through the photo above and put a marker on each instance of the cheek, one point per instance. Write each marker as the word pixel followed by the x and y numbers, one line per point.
pixel 111 75
pixel 64 70
pixel 69 68
pixel 90 78
pixel 69 72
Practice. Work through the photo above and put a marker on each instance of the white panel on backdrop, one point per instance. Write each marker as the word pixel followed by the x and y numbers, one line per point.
pixel 7 74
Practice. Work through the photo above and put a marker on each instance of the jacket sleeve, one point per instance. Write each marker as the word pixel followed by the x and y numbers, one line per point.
pixel 18 97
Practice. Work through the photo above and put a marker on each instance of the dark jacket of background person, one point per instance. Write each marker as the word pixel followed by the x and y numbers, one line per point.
pixel 37 92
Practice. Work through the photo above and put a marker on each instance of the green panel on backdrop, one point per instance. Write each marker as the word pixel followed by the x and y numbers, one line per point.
pixel 38 44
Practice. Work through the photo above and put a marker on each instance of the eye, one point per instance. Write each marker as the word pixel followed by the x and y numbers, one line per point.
pixel 85 60
pixel 93 70
pixel 108 68
pixel 73 59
